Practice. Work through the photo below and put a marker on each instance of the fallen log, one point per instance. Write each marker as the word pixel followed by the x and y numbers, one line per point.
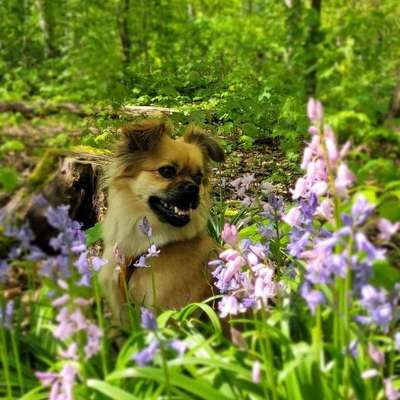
pixel 42 109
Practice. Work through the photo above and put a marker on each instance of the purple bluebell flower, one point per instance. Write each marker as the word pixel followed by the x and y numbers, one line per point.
pixel 297 247
pixel 92 345
pixel 61 383
pixel 390 391
pixel 145 227
pixel 145 356
pixel 152 251
pixel 397 340
pixel 4 271
pixel 315 110
pixel 376 355
pixel 148 320
pixel 58 217
pixel 376 303
pixel 361 210
pixel 230 305
pixel 256 372
pixel 387 229
pixel 353 348
pixel 369 373
pixel 230 234
pixel 97 263
pixel 141 263
pixel 312 297
pixel 6 315
pixel 178 346
pixel 363 244
pixel 71 353
pixel 266 231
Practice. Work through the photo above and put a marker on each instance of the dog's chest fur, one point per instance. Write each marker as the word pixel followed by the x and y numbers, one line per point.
pixel 178 276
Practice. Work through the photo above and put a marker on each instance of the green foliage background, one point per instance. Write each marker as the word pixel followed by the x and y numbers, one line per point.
pixel 250 63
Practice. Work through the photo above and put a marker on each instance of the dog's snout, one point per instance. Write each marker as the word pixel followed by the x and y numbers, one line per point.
pixel 191 189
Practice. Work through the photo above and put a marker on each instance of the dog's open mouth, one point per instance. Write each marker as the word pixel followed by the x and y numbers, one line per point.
pixel 169 212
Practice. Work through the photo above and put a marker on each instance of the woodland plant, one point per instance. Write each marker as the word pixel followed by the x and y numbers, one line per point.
pixel 310 297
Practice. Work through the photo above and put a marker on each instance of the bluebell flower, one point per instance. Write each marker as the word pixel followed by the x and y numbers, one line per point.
pixel 4 271
pixel 145 356
pixel 361 210
pixel 312 297
pixel 145 227
pixel 58 217
pixel 6 315
pixel 148 320
pixel 178 346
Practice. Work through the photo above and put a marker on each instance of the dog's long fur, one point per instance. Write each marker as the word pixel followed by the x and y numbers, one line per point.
pixel 179 273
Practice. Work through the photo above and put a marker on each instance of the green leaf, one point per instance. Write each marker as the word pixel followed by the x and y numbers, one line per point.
pixel 8 178
pixel 109 390
pixel 94 234
pixel 12 145
pixel 197 387
pixel 384 275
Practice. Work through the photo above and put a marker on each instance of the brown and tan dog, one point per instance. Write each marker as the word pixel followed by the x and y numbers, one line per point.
pixel 166 181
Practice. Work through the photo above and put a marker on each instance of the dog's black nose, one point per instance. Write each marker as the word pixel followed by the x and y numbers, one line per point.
pixel 191 189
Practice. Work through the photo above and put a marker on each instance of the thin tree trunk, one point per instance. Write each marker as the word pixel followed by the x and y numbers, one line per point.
pixel 145 46
pixel 394 107
pixel 47 24
pixel 294 35
pixel 123 28
pixel 311 47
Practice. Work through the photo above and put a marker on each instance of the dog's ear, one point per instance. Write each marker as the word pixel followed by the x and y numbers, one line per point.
pixel 210 147
pixel 145 135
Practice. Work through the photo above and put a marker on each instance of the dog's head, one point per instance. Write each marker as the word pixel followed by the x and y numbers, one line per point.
pixel 168 178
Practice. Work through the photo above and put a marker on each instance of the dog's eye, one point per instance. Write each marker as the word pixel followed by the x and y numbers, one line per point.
pixel 167 172
pixel 198 178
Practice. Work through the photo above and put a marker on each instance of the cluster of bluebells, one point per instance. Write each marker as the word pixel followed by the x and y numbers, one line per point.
pixel 155 340
pixel 243 274
pixel 77 335
pixel 338 243
pixel 70 245
pixel 22 246
pixel 71 264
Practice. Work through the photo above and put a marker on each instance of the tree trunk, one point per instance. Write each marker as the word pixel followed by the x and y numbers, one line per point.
pixel 394 107
pixel 311 47
pixel 123 28
pixel 48 24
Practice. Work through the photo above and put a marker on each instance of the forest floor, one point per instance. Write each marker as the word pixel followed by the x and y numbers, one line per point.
pixel 264 159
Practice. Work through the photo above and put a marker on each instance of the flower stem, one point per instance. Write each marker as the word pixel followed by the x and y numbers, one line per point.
pixel 4 360
pixel 317 339
pixel 269 356
pixel 100 317
pixel 165 368
pixel 17 362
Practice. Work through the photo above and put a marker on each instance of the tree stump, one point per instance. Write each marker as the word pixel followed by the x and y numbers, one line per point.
pixel 70 178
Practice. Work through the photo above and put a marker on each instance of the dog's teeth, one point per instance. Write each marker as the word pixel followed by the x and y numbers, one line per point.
pixel 176 210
